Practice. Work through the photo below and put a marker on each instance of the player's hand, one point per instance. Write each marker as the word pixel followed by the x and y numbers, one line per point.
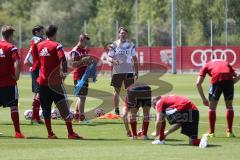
pixel 63 76
pixel 206 103
pixel 136 75
pixel 115 62
pixel 15 77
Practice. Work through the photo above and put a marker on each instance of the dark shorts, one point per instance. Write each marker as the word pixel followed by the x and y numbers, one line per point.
pixel 56 95
pixel 9 96
pixel 118 79
pixel 189 122
pixel 225 87
pixel 35 85
pixel 138 95
pixel 84 89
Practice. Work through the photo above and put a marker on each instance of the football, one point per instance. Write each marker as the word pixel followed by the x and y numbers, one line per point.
pixel 28 114
pixel 55 114
pixel 99 112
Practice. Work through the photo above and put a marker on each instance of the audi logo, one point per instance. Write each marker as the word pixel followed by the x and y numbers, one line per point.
pixel 201 57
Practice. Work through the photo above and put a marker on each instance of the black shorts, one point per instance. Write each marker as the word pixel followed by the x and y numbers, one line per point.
pixel 9 96
pixel 56 95
pixel 84 89
pixel 118 79
pixel 138 95
pixel 225 87
pixel 35 85
pixel 189 122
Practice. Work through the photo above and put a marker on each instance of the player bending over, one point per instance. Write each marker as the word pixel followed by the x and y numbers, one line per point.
pixel 223 77
pixel 180 112
pixel 138 95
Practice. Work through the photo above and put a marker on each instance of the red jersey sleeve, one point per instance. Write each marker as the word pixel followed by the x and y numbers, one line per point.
pixel 160 107
pixel 15 54
pixel 232 70
pixel 60 51
pixel 203 71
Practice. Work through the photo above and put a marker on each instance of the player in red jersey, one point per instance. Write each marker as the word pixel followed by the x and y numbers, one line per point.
pixel 223 77
pixel 32 61
pixel 79 59
pixel 9 75
pixel 138 95
pixel 180 113
pixel 51 56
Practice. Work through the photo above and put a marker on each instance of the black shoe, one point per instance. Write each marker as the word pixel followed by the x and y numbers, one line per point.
pixel 117 111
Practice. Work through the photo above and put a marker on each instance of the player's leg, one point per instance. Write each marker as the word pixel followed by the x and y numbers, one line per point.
pixel 215 92
pixel 45 95
pixel 117 80
pixel 36 101
pixel 133 121
pixel 228 93
pixel 145 123
pixel 10 99
pixel 60 99
pixel 125 120
pixel 80 104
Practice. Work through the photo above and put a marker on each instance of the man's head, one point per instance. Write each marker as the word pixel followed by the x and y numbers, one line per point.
pixel 122 32
pixel 7 33
pixel 83 38
pixel 155 99
pixel 51 31
pixel 38 31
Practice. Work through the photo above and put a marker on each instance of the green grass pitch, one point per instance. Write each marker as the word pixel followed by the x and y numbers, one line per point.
pixel 105 139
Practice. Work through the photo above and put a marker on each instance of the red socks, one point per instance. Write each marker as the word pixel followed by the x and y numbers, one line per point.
pixel 161 134
pixel 145 125
pixel 196 142
pixel 48 126
pixel 133 124
pixel 15 118
pixel 69 126
pixel 212 120
pixel 35 109
pixel 230 117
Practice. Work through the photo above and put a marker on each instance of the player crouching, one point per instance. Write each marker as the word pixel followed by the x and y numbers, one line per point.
pixel 180 113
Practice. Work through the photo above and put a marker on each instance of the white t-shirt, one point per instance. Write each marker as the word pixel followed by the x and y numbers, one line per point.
pixel 124 53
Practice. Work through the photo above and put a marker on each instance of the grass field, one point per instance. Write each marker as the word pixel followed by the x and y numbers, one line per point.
pixel 105 139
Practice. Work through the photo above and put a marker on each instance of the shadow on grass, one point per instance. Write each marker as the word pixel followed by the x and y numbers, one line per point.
pixel 185 144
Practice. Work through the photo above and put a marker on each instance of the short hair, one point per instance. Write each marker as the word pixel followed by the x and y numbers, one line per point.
pixel 51 30
pixel 37 28
pixel 7 31
pixel 122 28
pixel 84 36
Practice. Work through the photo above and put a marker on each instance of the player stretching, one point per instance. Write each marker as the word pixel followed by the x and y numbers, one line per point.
pixel 223 77
pixel 180 113
pixel 138 95
pixel 9 75
pixel 122 55
pixel 32 61
pixel 51 55
pixel 80 59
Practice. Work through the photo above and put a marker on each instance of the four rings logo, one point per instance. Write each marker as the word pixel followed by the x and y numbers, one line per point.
pixel 201 57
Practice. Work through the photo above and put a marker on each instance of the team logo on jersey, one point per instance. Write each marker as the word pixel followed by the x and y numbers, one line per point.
pixel 2 55
pixel 44 52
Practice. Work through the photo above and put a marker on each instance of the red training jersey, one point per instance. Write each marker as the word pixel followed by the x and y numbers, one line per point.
pixel 218 70
pixel 34 52
pixel 77 53
pixel 50 55
pixel 178 103
pixel 8 55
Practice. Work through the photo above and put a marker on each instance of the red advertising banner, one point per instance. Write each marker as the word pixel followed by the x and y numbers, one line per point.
pixel 188 58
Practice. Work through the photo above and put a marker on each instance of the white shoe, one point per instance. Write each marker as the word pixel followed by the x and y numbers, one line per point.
pixel 157 141
pixel 203 142
pixel 1 133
